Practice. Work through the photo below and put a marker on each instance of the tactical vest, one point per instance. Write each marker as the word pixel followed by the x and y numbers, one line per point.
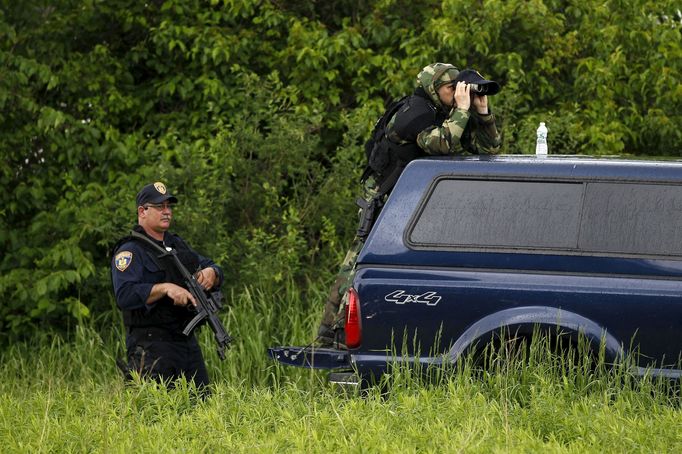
pixel 164 314
pixel 389 155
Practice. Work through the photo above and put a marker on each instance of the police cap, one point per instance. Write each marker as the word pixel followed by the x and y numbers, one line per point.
pixel 154 193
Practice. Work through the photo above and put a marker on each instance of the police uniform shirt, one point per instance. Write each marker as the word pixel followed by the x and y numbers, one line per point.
pixel 134 272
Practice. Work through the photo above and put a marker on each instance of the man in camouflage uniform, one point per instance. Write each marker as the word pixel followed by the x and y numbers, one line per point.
pixel 447 114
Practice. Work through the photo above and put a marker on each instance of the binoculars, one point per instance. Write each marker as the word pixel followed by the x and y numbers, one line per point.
pixel 476 89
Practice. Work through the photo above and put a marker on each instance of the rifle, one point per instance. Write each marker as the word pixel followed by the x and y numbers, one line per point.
pixel 207 304
pixel 370 211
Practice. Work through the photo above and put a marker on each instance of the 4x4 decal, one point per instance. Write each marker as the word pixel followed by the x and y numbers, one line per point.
pixel 400 297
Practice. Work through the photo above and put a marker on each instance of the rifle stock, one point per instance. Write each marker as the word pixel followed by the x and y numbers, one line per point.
pixel 207 308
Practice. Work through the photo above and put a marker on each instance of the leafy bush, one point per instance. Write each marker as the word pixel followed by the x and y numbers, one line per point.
pixel 254 113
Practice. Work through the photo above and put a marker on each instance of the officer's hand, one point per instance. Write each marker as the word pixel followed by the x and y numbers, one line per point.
pixel 462 96
pixel 207 278
pixel 481 104
pixel 179 295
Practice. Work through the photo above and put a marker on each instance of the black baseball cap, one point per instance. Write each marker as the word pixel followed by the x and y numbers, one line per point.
pixel 154 193
pixel 471 76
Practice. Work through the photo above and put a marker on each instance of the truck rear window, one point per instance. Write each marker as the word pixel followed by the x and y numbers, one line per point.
pixel 601 218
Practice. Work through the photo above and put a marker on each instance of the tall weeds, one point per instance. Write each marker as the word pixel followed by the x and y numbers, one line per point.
pixel 67 395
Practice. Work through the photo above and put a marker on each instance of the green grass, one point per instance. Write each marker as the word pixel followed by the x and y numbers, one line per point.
pixel 59 396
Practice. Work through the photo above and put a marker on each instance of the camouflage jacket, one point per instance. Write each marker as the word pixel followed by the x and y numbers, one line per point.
pixel 437 132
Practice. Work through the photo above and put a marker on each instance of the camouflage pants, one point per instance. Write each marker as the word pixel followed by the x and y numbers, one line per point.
pixel 333 318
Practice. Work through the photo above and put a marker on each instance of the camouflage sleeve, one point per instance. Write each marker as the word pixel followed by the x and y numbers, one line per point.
pixel 483 138
pixel 445 139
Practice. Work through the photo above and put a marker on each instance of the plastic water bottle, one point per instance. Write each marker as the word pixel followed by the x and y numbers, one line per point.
pixel 541 142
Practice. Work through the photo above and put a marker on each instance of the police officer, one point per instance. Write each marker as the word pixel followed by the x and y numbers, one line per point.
pixel 448 113
pixel 150 293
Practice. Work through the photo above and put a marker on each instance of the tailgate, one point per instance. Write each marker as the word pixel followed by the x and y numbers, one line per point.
pixel 311 357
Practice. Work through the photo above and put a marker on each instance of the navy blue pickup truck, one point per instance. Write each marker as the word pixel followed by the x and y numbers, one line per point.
pixel 467 247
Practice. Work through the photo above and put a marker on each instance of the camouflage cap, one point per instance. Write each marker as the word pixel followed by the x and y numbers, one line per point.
pixel 433 76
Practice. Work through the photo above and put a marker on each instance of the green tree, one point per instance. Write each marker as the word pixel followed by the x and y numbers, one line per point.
pixel 254 112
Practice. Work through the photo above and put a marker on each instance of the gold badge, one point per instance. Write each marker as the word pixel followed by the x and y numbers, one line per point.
pixel 123 260
pixel 160 187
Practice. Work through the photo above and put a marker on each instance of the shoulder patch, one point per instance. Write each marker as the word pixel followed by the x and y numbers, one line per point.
pixel 123 260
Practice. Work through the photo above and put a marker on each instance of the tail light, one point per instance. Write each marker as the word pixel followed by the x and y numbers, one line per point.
pixel 353 326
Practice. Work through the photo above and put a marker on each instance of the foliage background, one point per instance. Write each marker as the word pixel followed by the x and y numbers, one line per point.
pixel 254 113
